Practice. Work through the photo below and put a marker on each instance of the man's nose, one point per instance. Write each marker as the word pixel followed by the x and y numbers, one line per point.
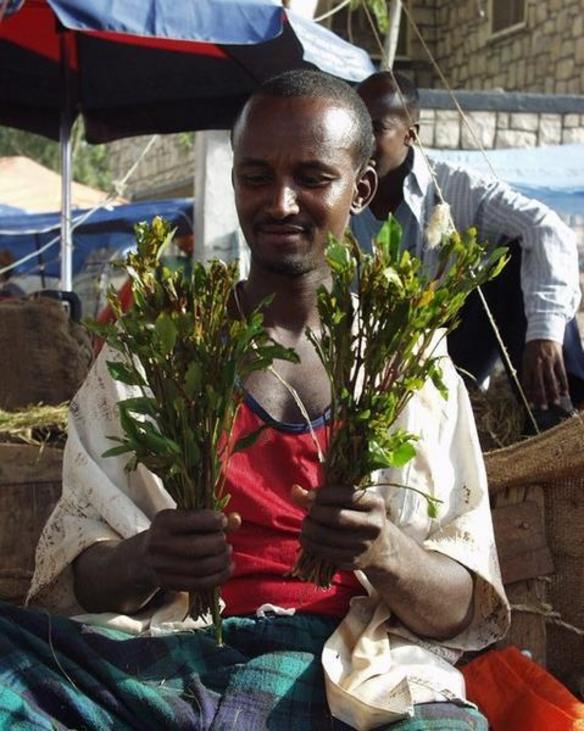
pixel 283 201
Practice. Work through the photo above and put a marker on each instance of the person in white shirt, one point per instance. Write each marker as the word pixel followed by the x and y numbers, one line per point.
pixel 535 298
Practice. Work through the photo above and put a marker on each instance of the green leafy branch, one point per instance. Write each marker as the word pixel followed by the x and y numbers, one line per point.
pixel 376 347
pixel 186 357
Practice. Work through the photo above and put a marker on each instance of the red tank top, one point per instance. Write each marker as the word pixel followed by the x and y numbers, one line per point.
pixel 266 546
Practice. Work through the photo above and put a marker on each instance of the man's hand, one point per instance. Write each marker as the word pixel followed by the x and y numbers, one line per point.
pixel 346 526
pixel 430 593
pixel 544 375
pixel 183 550
pixel 187 550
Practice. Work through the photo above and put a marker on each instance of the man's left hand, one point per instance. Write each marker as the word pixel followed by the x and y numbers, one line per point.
pixel 348 527
pixel 544 374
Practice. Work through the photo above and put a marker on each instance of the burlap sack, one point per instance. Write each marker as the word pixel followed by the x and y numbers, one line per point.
pixel 30 485
pixel 554 462
pixel 44 356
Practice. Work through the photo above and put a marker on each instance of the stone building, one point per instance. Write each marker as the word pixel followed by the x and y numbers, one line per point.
pixel 517 67
pixel 512 45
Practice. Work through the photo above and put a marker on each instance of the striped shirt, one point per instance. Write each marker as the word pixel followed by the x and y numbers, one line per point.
pixel 549 265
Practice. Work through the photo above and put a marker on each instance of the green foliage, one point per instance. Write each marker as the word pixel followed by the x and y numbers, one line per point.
pixel 377 347
pixel 90 162
pixel 379 10
pixel 187 358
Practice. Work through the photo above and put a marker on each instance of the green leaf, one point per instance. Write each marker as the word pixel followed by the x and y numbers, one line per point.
pixel 116 451
pixel 436 378
pixel 388 240
pixel 125 374
pixel 249 439
pixel 339 257
pixel 140 405
pixel 432 508
pixel 166 331
pixel 403 454
pixel 378 458
pixel 193 379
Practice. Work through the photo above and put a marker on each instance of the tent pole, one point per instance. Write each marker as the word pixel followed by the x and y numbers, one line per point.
pixel 66 283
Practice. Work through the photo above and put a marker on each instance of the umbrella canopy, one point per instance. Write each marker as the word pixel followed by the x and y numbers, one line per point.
pixel 145 66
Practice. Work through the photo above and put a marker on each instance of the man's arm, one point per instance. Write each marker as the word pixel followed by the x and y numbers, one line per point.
pixel 429 592
pixel 549 269
pixel 181 551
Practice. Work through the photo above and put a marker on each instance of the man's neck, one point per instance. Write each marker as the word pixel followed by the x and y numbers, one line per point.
pixel 390 192
pixel 293 307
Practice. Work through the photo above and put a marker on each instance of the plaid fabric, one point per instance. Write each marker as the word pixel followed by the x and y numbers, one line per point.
pixel 59 674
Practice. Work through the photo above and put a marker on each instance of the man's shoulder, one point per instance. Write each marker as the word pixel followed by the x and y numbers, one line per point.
pixel 455 171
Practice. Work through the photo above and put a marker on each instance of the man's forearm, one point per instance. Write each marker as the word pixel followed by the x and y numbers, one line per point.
pixel 429 592
pixel 110 576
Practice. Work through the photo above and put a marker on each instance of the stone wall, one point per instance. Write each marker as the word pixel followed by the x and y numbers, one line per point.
pixel 500 120
pixel 544 54
pixel 166 171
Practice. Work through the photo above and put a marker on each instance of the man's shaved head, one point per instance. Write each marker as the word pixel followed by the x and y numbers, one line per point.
pixel 318 85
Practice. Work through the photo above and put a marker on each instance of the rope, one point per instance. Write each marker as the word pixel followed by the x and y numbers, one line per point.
pixel 420 147
pixel 291 390
pixel 119 187
pixel 332 11
pixel 448 88
pixel 550 616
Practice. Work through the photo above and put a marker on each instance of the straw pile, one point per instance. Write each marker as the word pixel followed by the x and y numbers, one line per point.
pixel 38 424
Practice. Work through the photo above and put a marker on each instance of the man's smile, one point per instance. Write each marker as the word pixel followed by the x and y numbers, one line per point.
pixel 281 232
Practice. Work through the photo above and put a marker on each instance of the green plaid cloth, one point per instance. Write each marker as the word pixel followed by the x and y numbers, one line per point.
pixel 59 674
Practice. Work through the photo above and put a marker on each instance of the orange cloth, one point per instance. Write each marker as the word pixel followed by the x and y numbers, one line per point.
pixel 517 694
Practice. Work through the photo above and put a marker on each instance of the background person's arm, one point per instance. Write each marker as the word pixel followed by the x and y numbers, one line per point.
pixel 549 269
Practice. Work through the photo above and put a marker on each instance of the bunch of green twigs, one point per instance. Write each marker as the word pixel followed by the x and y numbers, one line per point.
pixel 376 349
pixel 187 358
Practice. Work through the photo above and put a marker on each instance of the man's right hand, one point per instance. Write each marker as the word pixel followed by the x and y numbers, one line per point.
pixel 183 550
pixel 187 550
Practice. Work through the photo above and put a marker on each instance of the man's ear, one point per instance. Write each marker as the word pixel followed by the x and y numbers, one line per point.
pixel 365 189
pixel 412 134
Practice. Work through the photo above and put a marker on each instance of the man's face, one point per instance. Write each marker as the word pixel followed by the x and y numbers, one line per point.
pixel 393 134
pixel 295 179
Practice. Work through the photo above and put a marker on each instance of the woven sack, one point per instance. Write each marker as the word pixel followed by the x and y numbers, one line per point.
pixel 554 462
pixel 44 355
pixel 30 485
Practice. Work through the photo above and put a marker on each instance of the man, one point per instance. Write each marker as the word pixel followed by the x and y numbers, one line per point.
pixel 545 267
pixel 115 547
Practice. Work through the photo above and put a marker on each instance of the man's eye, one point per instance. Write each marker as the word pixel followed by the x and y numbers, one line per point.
pixel 315 181
pixel 379 128
pixel 254 178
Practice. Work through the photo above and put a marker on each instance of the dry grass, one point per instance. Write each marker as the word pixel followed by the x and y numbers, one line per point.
pixel 38 424
pixel 498 416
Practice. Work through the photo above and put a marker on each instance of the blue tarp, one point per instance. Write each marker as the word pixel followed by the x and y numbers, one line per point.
pixel 111 229
pixel 553 175
pixel 6 210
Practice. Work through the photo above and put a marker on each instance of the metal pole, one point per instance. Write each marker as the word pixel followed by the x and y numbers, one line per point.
pixel 392 35
pixel 66 283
